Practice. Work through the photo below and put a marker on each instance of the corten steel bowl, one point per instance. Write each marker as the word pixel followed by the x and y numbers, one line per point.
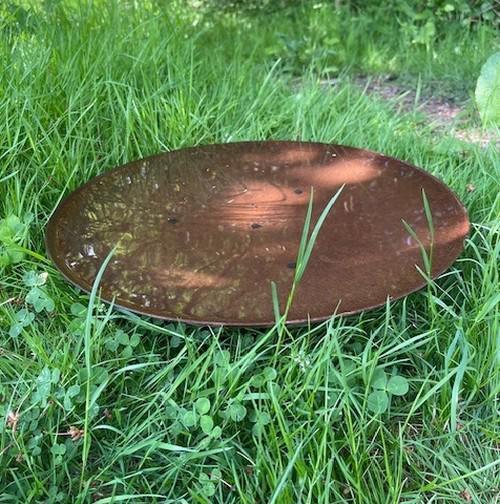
pixel 200 233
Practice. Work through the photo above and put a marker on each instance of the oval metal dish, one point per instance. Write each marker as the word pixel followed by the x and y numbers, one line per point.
pixel 201 232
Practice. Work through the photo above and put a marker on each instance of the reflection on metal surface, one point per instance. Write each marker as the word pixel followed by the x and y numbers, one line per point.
pixel 202 232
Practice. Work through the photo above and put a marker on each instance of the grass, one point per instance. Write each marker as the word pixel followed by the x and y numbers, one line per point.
pixel 99 406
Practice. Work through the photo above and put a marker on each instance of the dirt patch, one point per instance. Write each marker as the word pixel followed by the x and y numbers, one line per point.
pixel 446 115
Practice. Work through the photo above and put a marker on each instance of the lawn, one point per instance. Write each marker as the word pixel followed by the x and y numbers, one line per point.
pixel 101 406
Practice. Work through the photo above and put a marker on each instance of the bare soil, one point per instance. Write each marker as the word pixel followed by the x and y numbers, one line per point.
pixel 447 115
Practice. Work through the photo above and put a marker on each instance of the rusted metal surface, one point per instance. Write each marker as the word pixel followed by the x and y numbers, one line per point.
pixel 200 233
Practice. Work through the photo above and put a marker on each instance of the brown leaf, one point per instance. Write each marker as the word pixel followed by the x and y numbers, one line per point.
pixel 12 420
pixel 466 496
pixel 76 433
